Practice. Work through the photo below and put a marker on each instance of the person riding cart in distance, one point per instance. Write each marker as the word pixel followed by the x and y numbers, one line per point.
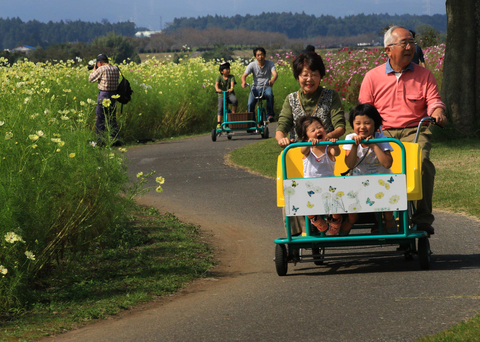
pixel 264 73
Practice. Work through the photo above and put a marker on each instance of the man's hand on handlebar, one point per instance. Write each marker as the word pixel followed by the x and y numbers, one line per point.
pixel 440 118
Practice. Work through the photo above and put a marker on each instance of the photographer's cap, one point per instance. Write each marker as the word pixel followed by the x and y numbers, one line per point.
pixel 102 58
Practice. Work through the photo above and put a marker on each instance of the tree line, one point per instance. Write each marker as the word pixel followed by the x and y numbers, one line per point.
pixel 14 32
pixel 302 25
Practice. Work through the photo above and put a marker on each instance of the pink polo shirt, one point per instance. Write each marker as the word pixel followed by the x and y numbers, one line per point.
pixel 401 101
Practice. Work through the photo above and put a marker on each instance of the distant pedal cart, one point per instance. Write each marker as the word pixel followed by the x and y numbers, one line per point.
pixel 234 123
pixel 367 195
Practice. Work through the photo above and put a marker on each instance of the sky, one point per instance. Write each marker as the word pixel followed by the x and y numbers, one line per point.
pixel 156 14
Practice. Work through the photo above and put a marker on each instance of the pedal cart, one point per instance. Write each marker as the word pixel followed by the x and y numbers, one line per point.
pixel 368 195
pixel 247 122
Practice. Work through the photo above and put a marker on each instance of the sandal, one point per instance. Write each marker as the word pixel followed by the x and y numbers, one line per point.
pixel 335 225
pixel 344 231
pixel 318 222
pixel 391 228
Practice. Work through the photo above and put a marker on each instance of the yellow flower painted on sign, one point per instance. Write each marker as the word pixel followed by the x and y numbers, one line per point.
pixel 394 199
pixel 379 195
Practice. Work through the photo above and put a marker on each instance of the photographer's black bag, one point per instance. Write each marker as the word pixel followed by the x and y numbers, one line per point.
pixel 124 90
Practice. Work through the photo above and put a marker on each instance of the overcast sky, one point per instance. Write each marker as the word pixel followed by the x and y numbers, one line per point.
pixel 153 13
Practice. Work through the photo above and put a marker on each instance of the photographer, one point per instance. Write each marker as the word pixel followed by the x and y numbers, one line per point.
pixel 107 76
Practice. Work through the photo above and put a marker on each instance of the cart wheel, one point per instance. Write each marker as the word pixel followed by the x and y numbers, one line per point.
pixel 265 133
pixel 424 253
pixel 317 256
pixel 214 134
pixel 281 262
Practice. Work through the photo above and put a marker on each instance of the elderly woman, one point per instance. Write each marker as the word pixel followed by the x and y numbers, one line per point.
pixel 311 100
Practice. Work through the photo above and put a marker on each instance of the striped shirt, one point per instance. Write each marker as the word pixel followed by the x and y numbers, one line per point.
pixel 107 76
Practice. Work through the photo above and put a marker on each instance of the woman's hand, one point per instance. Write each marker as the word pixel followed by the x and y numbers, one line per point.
pixel 284 142
pixel 282 139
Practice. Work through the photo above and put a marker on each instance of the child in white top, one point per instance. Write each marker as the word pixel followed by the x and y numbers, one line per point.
pixel 367 158
pixel 318 161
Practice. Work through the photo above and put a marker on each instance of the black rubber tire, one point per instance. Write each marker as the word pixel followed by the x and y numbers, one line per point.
pixel 214 135
pixel 265 133
pixel 318 258
pixel 423 253
pixel 281 261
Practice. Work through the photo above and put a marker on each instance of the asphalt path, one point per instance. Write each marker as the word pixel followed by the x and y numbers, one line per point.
pixel 381 299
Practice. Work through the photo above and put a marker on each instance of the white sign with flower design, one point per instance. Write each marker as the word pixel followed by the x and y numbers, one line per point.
pixel 340 195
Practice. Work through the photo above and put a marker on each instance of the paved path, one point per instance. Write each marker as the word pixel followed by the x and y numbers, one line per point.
pixel 386 299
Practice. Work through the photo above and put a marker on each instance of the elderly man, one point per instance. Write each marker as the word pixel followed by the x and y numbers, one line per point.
pixel 404 93
pixel 107 77
pixel 264 73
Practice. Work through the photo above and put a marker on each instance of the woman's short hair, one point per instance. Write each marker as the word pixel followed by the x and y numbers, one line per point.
pixel 310 60
pixel 368 110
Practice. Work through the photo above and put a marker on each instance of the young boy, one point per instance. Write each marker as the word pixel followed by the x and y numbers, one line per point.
pixel 225 82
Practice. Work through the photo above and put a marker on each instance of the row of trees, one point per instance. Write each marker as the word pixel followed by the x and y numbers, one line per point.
pixel 15 32
pixel 117 47
pixel 302 25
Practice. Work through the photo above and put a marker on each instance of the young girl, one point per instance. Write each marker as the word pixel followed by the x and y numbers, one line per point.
pixel 366 159
pixel 318 161
pixel 225 82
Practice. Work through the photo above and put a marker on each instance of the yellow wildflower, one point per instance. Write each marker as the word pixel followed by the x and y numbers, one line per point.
pixel 30 255
pixel 106 102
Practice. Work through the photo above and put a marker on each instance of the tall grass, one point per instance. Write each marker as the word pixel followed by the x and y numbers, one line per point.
pixel 59 194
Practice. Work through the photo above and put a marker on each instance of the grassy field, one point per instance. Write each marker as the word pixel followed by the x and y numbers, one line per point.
pixel 456 190
pixel 158 256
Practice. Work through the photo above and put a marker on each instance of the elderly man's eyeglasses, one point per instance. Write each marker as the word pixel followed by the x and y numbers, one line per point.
pixel 403 43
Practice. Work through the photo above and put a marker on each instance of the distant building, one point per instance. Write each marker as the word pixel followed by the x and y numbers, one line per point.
pixel 141 34
pixel 22 49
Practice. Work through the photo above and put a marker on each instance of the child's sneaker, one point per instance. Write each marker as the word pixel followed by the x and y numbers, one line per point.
pixel 335 225
pixel 318 222
pixel 219 126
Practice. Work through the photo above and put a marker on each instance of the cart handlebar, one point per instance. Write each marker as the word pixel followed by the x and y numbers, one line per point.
pixel 428 119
